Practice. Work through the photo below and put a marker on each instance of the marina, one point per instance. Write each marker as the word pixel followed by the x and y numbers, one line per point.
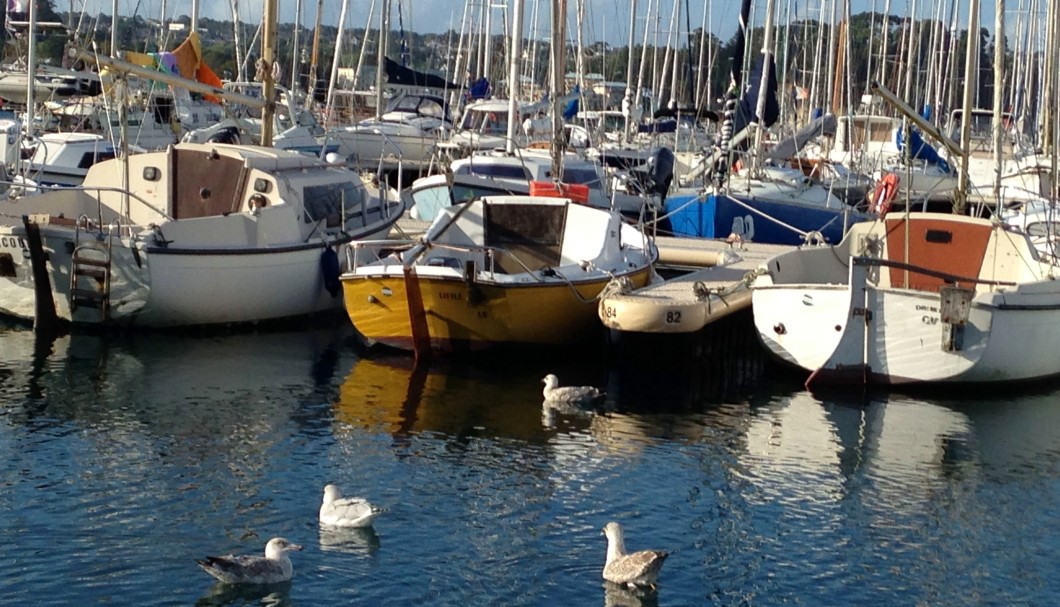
pixel 529 311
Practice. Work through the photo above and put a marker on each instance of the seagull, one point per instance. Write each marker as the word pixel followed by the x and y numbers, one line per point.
pixel 272 568
pixel 341 511
pixel 584 395
pixel 637 569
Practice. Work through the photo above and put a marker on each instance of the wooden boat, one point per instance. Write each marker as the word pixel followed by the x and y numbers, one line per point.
pixel 203 235
pixel 922 297
pixel 495 270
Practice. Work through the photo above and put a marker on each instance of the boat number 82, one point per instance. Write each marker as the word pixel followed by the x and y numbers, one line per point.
pixel 673 317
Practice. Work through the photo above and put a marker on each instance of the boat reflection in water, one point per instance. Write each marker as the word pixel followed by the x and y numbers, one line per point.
pixel 393 396
pixel 158 380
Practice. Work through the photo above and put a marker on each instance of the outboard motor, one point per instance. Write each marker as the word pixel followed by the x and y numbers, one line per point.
pixel 229 134
pixel 660 172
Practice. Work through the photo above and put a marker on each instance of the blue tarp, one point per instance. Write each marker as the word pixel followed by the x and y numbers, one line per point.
pixel 919 149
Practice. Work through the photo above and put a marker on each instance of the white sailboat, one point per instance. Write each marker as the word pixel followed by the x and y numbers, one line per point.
pixel 205 234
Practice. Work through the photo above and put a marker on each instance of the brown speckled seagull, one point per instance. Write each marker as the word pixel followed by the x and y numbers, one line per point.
pixel 272 568
pixel 637 569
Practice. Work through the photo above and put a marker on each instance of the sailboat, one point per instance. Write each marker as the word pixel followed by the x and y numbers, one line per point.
pixel 197 234
pixel 497 270
pixel 916 297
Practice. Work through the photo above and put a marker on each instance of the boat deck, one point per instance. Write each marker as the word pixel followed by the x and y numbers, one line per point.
pixel 689 302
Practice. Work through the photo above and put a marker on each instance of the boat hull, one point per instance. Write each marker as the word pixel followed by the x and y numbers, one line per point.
pixel 462 316
pixel 868 334
pixel 160 288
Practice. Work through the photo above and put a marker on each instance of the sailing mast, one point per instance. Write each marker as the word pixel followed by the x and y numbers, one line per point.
pixel 31 69
pixel 999 82
pixel 629 70
pixel 268 57
pixel 316 51
pixel 384 33
pixel 559 22
pixel 961 199
pixel 513 74
pixel 328 107
pixel 294 45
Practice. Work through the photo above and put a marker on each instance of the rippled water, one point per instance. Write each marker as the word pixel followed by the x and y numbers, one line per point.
pixel 123 459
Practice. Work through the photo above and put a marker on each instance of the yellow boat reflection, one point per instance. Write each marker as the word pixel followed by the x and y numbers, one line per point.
pixel 390 396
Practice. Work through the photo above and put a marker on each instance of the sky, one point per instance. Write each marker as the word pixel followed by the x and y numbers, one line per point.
pixel 604 19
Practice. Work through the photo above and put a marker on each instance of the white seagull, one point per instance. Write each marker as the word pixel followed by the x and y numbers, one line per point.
pixel 272 568
pixel 637 569
pixel 582 395
pixel 341 511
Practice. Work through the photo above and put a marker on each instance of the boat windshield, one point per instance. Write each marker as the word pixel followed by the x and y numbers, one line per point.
pixel 491 123
pixel 584 176
pixel 331 201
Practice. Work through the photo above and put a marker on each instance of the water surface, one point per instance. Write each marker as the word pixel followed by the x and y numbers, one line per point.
pixel 125 458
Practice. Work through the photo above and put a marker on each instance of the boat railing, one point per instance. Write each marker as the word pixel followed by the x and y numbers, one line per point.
pixel 38 189
pixel 915 269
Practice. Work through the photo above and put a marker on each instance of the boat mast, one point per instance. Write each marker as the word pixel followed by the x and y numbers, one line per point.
pixel 999 82
pixel 194 15
pixel 31 69
pixel 960 201
pixel 316 51
pixel 513 74
pixel 364 45
pixel 328 107
pixel 767 68
pixel 268 57
pixel 629 68
pixel 559 22
pixel 295 55
pixel 237 37
pixel 384 29
pixel 113 27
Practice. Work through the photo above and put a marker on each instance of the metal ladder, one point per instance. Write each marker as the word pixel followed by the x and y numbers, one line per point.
pixel 90 271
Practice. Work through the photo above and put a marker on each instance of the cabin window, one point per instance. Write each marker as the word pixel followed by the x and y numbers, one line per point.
pixel 429 201
pixel 505 171
pixel 328 202
pixel 90 158
pixel 261 185
pixel 588 177
pixel 939 236
pixel 152 174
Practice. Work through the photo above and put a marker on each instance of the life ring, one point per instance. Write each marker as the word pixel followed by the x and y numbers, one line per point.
pixel 884 194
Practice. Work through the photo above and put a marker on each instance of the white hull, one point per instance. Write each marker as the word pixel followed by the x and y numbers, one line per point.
pixel 368 146
pixel 179 289
pixel 203 249
pixel 869 327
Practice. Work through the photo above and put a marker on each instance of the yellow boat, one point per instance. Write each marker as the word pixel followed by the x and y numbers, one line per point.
pixel 496 270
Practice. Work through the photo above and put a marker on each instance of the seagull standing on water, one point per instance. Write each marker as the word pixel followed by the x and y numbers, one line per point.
pixel 272 568
pixel 581 395
pixel 341 511
pixel 637 569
